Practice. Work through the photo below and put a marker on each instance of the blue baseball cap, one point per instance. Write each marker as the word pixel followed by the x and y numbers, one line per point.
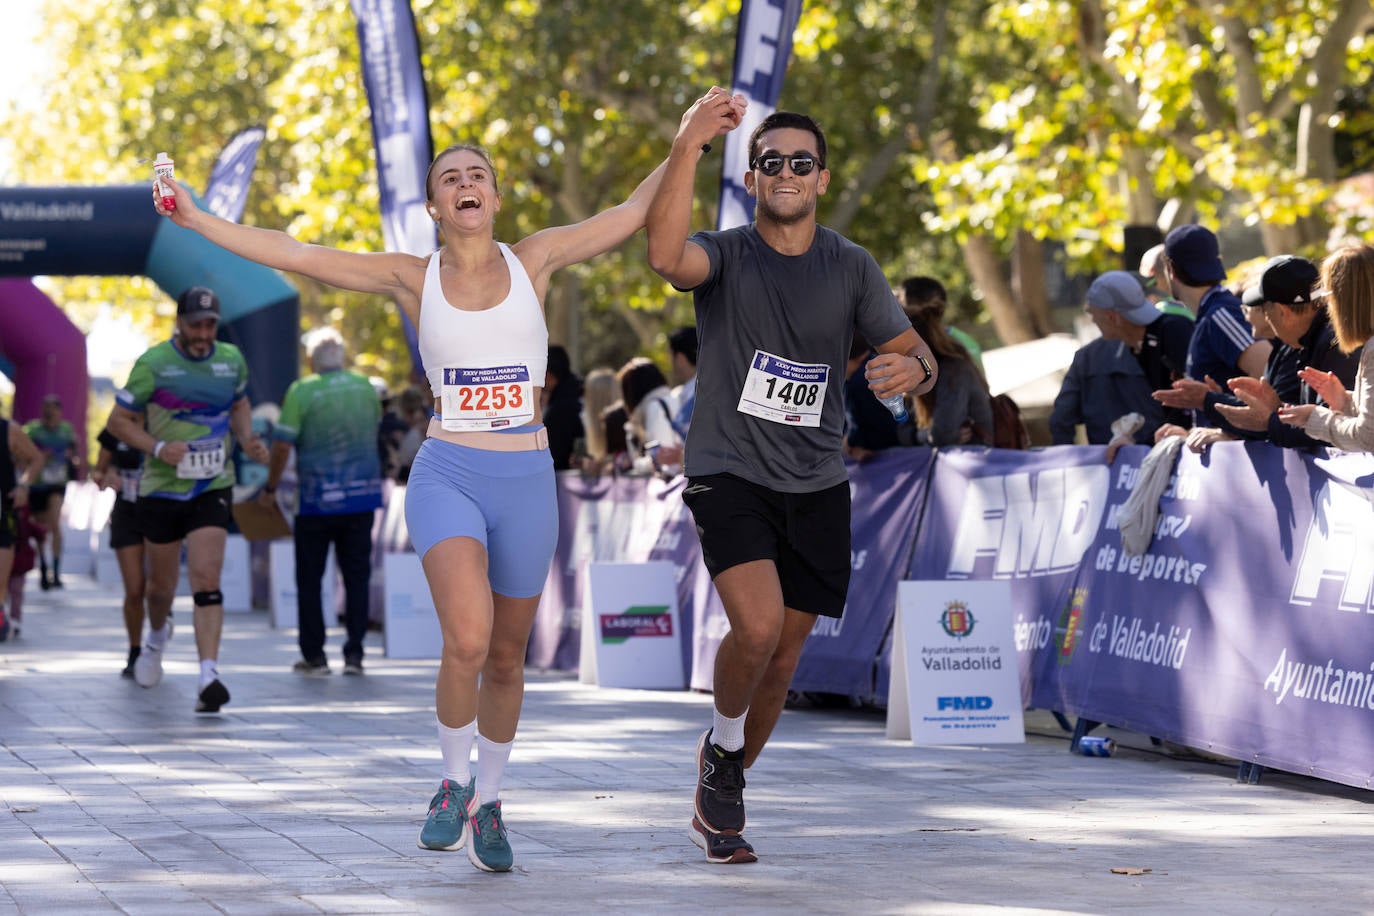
pixel 1195 251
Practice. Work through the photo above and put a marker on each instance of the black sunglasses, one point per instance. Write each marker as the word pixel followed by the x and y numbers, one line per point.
pixel 770 164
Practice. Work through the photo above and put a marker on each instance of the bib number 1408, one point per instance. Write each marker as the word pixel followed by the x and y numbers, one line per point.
pixel 798 394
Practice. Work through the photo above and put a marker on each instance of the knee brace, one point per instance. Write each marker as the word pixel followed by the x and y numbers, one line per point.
pixel 202 599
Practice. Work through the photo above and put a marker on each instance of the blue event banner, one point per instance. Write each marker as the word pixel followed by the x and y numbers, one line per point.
pixel 227 190
pixel 763 46
pixel 389 52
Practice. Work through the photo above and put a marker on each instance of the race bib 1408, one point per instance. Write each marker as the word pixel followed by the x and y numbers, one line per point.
pixel 782 391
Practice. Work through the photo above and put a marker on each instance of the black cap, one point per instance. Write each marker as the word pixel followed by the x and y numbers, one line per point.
pixel 1286 279
pixel 196 303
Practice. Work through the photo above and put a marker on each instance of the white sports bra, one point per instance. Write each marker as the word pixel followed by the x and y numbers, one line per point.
pixel 509 333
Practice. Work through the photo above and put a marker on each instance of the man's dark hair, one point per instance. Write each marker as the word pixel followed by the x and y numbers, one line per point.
pixel 1187 279
pixel 779 119
pixel 684 341
pixel 560 366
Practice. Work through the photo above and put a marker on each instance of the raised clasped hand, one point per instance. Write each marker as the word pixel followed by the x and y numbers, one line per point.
pixel 713 115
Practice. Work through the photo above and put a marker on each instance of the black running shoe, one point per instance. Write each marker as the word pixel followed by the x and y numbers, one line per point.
pixel 720 787
pixel 212 696
pixel 133 657
pixel 728 848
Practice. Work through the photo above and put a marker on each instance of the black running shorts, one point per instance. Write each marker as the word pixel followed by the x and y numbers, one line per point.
pixel 165 521
pixel 124 528
pixel 805 534
pixel 41 497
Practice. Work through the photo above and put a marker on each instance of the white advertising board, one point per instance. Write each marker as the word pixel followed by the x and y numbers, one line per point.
pixel 955 678
pixel 631 635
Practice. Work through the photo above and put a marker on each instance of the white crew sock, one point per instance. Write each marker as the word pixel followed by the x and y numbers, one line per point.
pixel 726 733
pixel 491 768
pixel 209 671
pixel 455 744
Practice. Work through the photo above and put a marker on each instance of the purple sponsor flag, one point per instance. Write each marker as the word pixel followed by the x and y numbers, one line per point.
pixel 227 191
pixel 886 494
pixel 390 56
pixel 762 47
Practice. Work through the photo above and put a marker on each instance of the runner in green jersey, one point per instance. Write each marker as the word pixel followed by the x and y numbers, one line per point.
pixel 55 437
pixel 190 391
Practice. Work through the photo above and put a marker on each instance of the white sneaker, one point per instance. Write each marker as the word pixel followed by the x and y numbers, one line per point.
pixel 148 665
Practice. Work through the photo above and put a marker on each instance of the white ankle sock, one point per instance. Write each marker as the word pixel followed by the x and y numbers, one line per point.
pixel 726 733
pixel 491 768
pixel 209 671
pixel 455 744
pixel 157 639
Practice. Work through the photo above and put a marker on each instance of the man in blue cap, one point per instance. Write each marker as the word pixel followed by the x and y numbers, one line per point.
pixel 1222 346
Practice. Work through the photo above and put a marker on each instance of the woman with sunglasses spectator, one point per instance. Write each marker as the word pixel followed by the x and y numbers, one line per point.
pixel 777 305
pixel 480 500
pixel 1348 423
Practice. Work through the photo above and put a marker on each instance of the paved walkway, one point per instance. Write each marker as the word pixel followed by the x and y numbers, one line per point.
pixel 305 796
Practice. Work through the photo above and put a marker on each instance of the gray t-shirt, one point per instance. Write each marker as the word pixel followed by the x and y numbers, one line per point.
pixel 774 334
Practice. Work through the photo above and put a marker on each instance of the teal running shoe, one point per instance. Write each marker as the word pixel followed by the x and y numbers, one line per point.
pixel 489 849
pixel 446 827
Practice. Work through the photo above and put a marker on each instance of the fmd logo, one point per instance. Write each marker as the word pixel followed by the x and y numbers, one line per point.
pixel 964 703
pixel 1028 524
pixel 957 619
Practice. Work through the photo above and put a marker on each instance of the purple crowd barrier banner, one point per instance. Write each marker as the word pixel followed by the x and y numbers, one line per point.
pixel 1026 516
pixel 1245 628
pixel 610 519
pixel 886 493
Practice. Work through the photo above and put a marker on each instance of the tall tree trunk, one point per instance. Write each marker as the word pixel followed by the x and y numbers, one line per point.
pixel 1028 281
pixel 1010 322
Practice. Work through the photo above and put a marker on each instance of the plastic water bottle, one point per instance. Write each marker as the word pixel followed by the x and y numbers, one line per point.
pixel 163 168
pixel 896 405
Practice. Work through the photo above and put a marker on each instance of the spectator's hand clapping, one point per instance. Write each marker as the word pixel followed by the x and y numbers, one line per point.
pixel 1187 393
pixel 1260 402
pixel 1328 387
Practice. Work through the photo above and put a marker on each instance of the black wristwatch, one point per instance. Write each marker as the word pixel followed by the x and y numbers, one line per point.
pixel 926 366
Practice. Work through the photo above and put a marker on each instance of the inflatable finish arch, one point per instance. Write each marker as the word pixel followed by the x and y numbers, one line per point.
pixel 43 352
pixel 114 231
